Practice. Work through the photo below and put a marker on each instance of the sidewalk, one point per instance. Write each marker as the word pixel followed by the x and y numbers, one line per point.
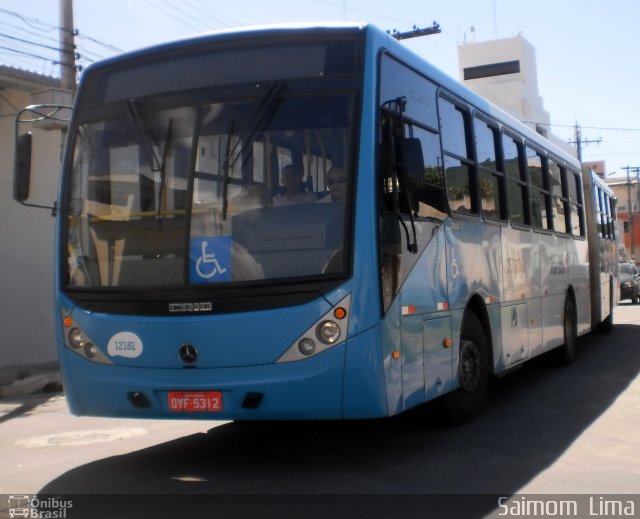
pixel 28 380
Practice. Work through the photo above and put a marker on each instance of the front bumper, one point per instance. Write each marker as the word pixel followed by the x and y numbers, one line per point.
pixel 309 389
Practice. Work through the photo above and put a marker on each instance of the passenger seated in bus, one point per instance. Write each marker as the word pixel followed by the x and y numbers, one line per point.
pixel 336 184
pixel 295 191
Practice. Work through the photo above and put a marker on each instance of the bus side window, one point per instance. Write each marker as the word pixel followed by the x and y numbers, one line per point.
pixel 491 178
pixel 559 196
pixel 517 190
pixel 576 214
pixel 600 217
pixel 430 186
pixel 614 219
pixel 540 197
pixel 459 165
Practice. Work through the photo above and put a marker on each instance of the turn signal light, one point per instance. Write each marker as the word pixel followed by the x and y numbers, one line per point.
pixel 340 313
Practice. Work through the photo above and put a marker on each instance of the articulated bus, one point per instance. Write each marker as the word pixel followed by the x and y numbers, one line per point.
pixel 428 242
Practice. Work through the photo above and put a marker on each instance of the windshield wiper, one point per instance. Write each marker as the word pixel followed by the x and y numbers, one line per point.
pixel 149 145
pixel 145 135
pixel 258 120
pixel 257 123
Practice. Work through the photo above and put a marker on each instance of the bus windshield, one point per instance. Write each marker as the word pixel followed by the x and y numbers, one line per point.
pixel 206 186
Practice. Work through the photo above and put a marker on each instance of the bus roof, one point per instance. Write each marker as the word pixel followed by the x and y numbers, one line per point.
pixel 228 34
pixel 377 37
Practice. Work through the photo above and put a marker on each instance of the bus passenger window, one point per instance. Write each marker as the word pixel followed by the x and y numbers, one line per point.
pixel 491 179
pixel 517 192
pixel 431 196
pixel 458 186
pixel 576 212
pixel 559 196
pixel 459 167
pixel 453 125
pixel 540 199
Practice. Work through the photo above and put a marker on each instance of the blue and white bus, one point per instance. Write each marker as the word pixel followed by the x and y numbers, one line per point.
pixel 463 243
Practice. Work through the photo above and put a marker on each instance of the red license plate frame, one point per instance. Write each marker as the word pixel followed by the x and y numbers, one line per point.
pixel 194 401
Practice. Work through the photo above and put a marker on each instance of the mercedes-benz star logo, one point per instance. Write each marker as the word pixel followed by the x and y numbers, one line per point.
pixel 188 353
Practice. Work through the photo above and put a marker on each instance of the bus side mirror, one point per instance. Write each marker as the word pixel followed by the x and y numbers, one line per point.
pixel 22 168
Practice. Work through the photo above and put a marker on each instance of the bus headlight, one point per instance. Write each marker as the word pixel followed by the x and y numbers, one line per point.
pixel 76 338
pixel 90 351
pixel 322 335
pixel 328 332
pixel 306 346
pixel 79 342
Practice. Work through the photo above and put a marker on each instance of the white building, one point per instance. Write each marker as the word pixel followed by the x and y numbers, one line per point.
pixel 27 234
pixel 504 72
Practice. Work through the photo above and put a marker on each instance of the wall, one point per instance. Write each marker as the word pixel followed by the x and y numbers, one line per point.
pixel 26 251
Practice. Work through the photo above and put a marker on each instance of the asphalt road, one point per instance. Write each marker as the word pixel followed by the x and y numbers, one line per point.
pixel 547 430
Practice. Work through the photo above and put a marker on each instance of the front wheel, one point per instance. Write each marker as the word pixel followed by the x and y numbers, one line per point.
pixel 466 402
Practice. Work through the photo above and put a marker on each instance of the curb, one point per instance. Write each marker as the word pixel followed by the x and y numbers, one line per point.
pixel 32 384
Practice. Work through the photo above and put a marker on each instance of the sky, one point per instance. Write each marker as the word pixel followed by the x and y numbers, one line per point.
pixel 586 50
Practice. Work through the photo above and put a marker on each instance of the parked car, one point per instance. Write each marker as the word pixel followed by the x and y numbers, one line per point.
pixel 629 282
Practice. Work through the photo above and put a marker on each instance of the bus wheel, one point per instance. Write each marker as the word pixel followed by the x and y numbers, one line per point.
pixel 466 402
pixel 567 352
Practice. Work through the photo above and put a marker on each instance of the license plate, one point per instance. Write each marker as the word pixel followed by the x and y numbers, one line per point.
pixel 195 401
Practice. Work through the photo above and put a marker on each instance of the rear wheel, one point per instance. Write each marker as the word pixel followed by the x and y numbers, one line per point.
pixel 466 402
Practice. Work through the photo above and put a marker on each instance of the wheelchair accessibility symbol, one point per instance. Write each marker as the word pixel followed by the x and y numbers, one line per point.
pixel 210 259
pixel 207 265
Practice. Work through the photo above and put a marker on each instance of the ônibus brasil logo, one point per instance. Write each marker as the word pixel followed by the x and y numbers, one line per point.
pixel 38 507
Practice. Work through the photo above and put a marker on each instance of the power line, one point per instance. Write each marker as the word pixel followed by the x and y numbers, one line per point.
pixel 198 19
pixel 197 9
pixel 173 16
pixel 24 53
pixel 23 30
pixel 603 128
pixel 29 21
pixel 21 40
pixel 363 11
pixel 98 42
pixel 218 12
pixel 580 142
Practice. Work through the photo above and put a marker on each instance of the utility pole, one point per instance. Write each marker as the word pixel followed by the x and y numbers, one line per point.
pixel 630 202
pixel 579 142
pixel 67 47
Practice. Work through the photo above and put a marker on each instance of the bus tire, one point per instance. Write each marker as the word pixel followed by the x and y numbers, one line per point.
pixel 466 402
pixel 567 352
